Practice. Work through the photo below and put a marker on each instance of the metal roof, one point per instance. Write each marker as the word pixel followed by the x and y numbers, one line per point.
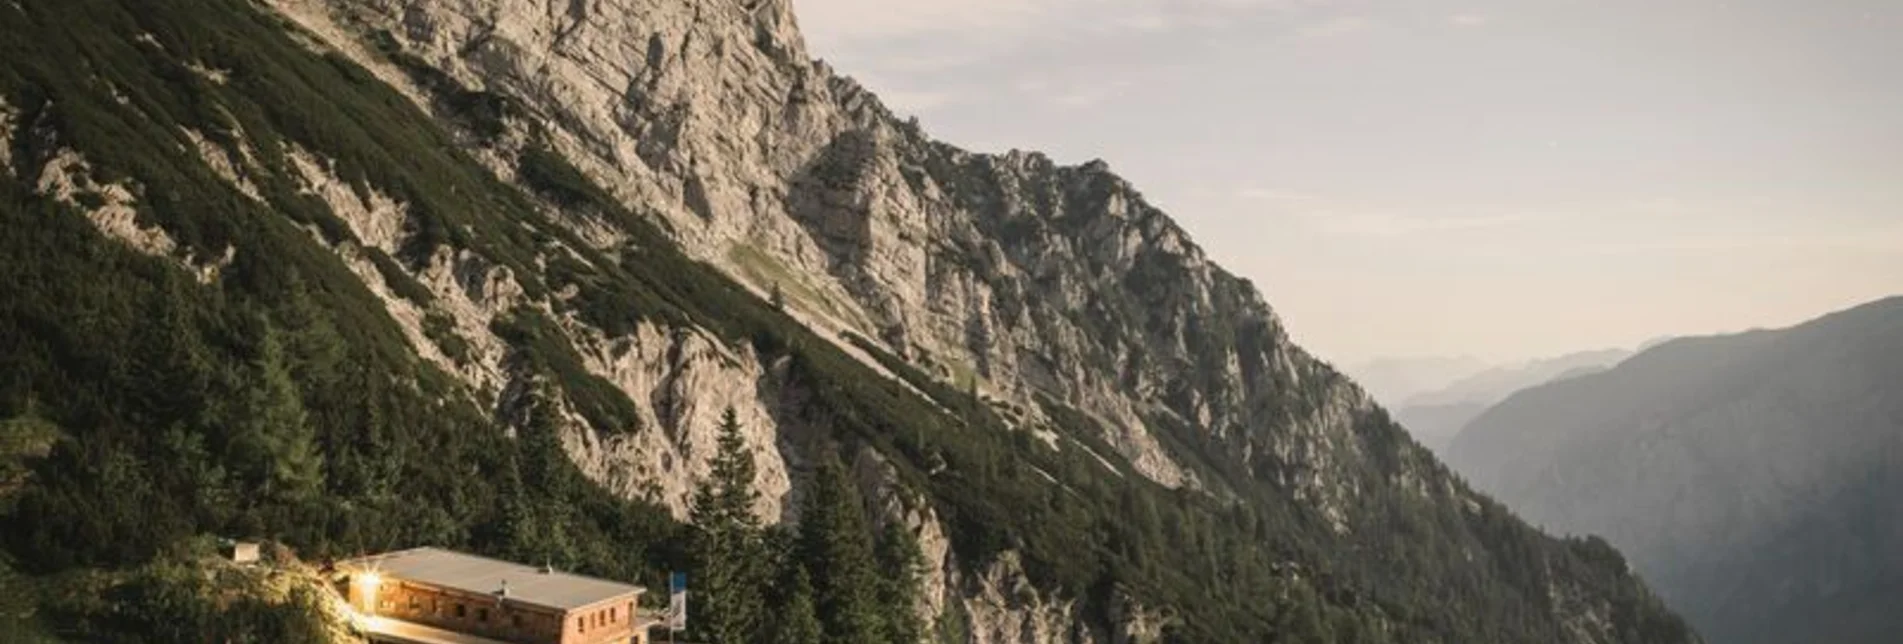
pixel 526 584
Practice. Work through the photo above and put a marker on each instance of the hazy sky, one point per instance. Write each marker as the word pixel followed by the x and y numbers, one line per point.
pixel 1417 177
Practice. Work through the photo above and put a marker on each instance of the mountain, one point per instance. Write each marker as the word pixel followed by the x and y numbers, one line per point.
pixel 1436 425
pixel 1752 478
pixel 1398 379
pixel 354 275
pixel 1434 417
pixel 1496 383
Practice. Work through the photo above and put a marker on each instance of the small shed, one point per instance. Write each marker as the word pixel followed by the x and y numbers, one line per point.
pixel 243 552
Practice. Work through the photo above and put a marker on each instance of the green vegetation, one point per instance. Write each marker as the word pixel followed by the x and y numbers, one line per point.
pixel 835 545
pixel 729 554
pixel 826 579
pixel 541 344
pixel 281 402
pixel 188 597
pixel 901 570
pixel 441 330
pixel 798 619
pixel 758 267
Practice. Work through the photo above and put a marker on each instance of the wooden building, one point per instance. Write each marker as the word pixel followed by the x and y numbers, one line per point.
pixel 434 596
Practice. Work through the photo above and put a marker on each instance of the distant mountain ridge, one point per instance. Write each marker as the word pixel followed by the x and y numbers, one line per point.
pixel 1755 478
pixel 1395 380
pixel 1495 384
pixel 1436 415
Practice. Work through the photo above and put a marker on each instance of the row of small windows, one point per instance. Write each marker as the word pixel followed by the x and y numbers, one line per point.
pixel 600 618
pixel 461 610
pixel 597 619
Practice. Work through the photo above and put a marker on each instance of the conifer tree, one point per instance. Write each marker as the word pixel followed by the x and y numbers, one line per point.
pixel 835 545
pixel 904 567
pixel 270 437
pixel 728 550
pixel 797 617
pixel 538 525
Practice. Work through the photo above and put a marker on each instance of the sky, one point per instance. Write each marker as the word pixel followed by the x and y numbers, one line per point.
pixel 1495 179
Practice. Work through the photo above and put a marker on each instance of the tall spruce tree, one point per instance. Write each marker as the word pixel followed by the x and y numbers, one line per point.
pixel 904 566
pixel 270 438
pixel 835 545
pixel 797 620
pixel 728 552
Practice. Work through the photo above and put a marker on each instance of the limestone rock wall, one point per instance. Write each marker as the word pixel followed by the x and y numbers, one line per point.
pixel 1027 280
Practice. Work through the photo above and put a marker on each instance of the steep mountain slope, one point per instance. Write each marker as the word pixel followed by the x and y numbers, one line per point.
pixel 1435 417
pixel 359 275
pixel 1751 477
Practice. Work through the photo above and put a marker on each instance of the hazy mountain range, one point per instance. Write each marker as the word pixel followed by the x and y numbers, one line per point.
pixel 1434 398
pixel 1753 478
pixel 1396 380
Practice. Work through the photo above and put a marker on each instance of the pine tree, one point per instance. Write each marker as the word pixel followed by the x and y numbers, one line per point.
pixel 270 437
pixel 1301 620
pixel 797 619
pixel 835 545
pixel 728 551
pixel 297 465
pixel 540 490
pixel 904 568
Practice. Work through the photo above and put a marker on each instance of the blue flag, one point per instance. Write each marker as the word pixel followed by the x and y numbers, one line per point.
pixel 677 602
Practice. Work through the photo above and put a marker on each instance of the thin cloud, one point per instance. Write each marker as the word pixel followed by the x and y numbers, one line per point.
pixel 1336 27
pixel 1469 20
pixel 1071 95
pixel 1881 240
pixel 1381 224
pixel 1090 95
pixel 856 23
pixel 1144 22
pixel 914 102
pixel 1256 193
pixel 859 20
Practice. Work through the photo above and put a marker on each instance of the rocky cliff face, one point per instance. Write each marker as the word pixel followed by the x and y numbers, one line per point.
pixel 1005 273
pixel 1035 284
pixel 1024 279
pixel 1010 274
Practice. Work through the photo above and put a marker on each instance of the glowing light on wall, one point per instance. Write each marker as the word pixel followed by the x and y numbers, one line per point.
pixel 367 583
